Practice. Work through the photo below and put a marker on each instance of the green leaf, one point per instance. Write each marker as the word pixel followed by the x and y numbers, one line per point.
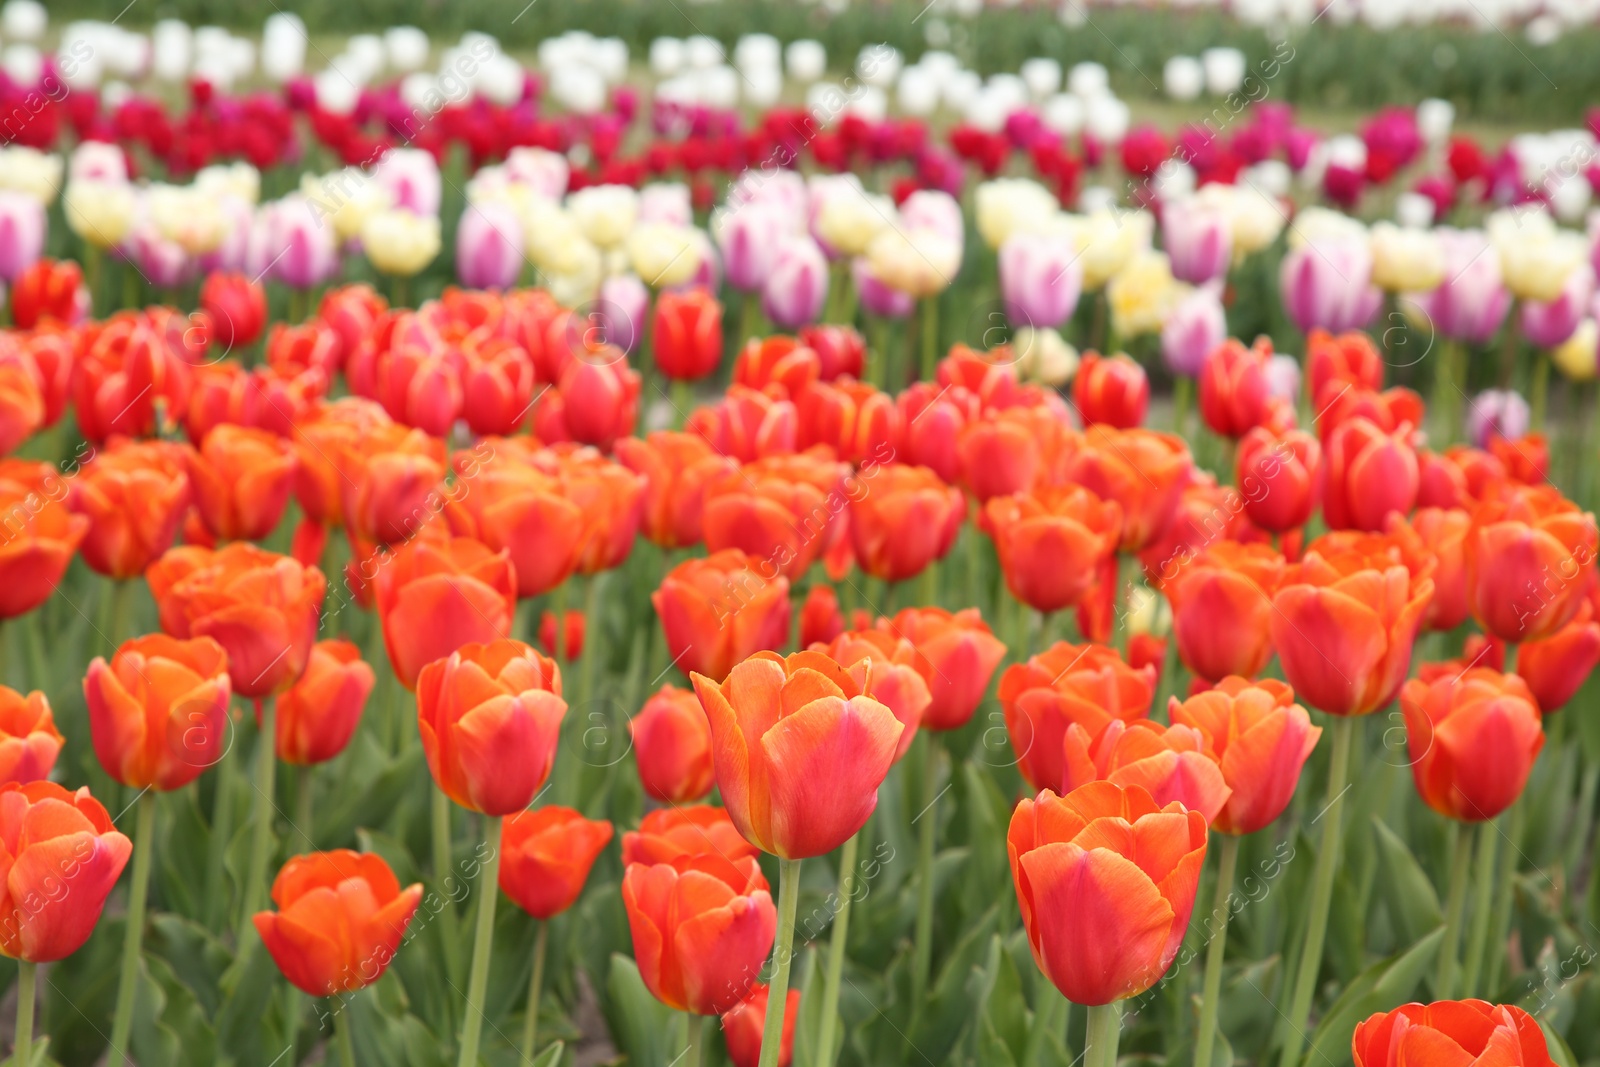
pixel 1383 985
pixel 639 1022
pixel 550 1056
pixel 1004 1012
pixel 1408 893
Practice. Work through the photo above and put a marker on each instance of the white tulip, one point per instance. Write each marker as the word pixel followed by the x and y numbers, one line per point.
pixel 763 86
pixel 960 88
pixel 24 20
pixel 335 92
pixel 987 111
pixel 1434 119
pixel 667 56
pixel 1225 70
pixel 367 49
pixel 1183 77
pixel 283 47
pixel 702 51
pixel 1088 79
pixel 501 80
pixel 23 64
pixel 100 211
pixel 239 180
pixel 806 60
pixel 405 48
pixel 611 59
pixel 879 64
pixel 940 64
pixel 917 94
pixel 718 86
pixel 1007 206
pixel 1107 119
pixel 1063 113
pixel 1043 76
pixel 543 171
pixel 758 51
pixel 172 43
pixel 605 213
pixel 97 160
pixel 1414 210
pixel 27 170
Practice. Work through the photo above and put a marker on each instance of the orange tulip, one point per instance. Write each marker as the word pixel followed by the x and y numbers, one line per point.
pixel 1459 478
pixel 1371 473
pixel 742 1024
pixel 1391 411
pixel 1169 762
pixel 1343 624
pixel 1527 459
pixel 435 595
pixel 1052 542
pixel 718 610
pixel 1261 739
pixel 134 494
pixel 546 855
pixel 781 510
pixel 669 834
pixel 672 743
pixel 62 858
pixel 930 423
pixel 677 468
pixel 896 681
pixel 957 656
pixel 490 717
pixel 391 483
pixel 262 608
pixel 855 419
pixel 1529 555
pixel 38 540
pixel 266 398
pixel 29 740
pixel 49 289
pixel 746 424
pixel 1004 453
pixel 1222 609
pixel 242 478
pixel 1444 533
pixel 778 365
pixel 568 643
pixel 1085 684
pixel 320 712
pixel 326 445
pixel 1348 359
pixel 22 407
pixel 1447 1032
pixel 1142 470
pixel 1473 738
pixel 702 928
pixel 800 750
pixel 1279 478
pixel 158 711
pixel 1556 667
pixel 1113 390
pixel 904 520
pixel 340 920
pixel 820 618
pixel 1106 880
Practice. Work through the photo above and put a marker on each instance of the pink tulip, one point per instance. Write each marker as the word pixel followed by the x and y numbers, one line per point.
pixel 22 230
pixel 489 247
pixel 1549 323
pixel 1327 284
pixel 299 244
pixel 708 275
pixel 749 237
pixel 543 171
pixel 412 178
pixel 798 285
pixel 1471 303
pixel 624 303
pixel 666 202
pixel 1199 243
pixel 1040 279
pixel 1193 331
pixel 876 297
pixel 1497 413
pixel 232 255
pixel 163 263
pixel 933 210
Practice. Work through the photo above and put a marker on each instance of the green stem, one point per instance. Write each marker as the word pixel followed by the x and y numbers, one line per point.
pixel 1049 1017
pixel 482 943
pixel 589 660
pixel 530 1025
pixel 1205 1040
pixel 558 607
pixel 877 371
pixel 265 807
pixel 1182 395
pixel 221 829
pixel 930 337
pixel 120 603
pixel 782 956
pixel 1511 657
pixel 922 959
pixel 448 919
pixel 1446 382
pixel 1105 1027
pixel 694 1051
pixel 22 1048
pixel 1504 892
pixel 347 1046
pixel 93 258
pixel 682 400
pixel 1539 390
pixel 1482 905
pixel 836 948
pixel 1305 982
pixel 144 845
pixel 302 807
pixel 1455 906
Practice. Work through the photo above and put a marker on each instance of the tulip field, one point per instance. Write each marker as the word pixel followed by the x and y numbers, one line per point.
pixel 980 536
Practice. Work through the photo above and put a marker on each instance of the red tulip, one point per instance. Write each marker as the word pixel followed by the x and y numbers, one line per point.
pixel 49 290
pixel 1235 395
pixel 721 609
pixel 241 479
pixel 435 595
pixel 546 855
pixel 1222 609
pixel 319 714
pixel 820 618
pixel 1170 763
pixel 672 743
pixel 957 656
pixel 1143 471
pixel 1468 1032
pixel 1346 360
pixel 687 334
pixel 1112 390
pixel 677 469
pixel 1529 555
pixel 1371 474
pixel 29 740
pixel 1473 738
pixel 1052 542
pixel 236 308
pixel 742 1025
pixel 1279 478
pixel 903 521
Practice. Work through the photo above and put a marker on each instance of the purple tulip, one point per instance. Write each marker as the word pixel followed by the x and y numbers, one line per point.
pixel 798 284
pixel 876 297
pixel 624 303
pixel 22 230
pixel 1471 303
pixel 1497 413
pixel 299 245
pixel 412 177
pixel 1199 243
pixel 163 263
pixel 1549 323
pixel 1193 330
pixel 488 247
pixel 1040 279
pixel 749 236
pixel 1327 284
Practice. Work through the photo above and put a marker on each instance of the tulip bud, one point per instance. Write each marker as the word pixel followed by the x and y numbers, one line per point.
pixel 672 743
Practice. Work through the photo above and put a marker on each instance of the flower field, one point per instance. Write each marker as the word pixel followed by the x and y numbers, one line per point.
pixel 1004 537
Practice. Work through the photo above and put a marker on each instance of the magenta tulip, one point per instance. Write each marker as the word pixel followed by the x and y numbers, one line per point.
pixel 1327 284
pixel 1471 302
pixel 412 178
pixel 1547 323
pixel 22 231
pixel 1199 243
pixel 488 247
pixel 624 305
pixel 795 290
pixel 748 237
pixel 299 244
pixel 1193 331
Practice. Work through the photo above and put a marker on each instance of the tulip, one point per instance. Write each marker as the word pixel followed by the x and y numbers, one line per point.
pixel 1339 362
pixel 776 724
pixel 1235 395
pixel 721 609
pixel 1113 391
pixel 797 285
pixel 29 740
pixel 1194 329
pixel 1556 667
pixel 262 608
pixel 1222 609
pixel 63 857
pixel 568 644
pixel 1142 470
pixel 22 233
pixel 1279 478
pixel 749 236
pixel 746 424
pixel 490 715
pixel 236 309
pixel 780 510
pixel 1052 542
pixel 1326 283
pixel 820 618
pixel 41 539
pixel 299 245
pixel 904 521
pixel 1104 918
pixel 876 295
pixel 841 350
pixel 546 856
pixel 340 920
pixel 1261 739
pixel 1529 555
pixel 1446 1031
pixel 488 247
pixel 318 715
pixel 158 710
pixel 742 1024
pixel 853 418
pixel 1444 533
pixel 1169 762
pixel 668 835
pixel 1371 474
pixel 328 447
pixel 701 930
pixel 672 743
pixel 920 262
pixel 1473 738
pixel 437 594
pixel 1470 303
pixel 1536 257
pixel 389 484
pixel 957 656
pixel 1575 357
pixel 687 334
pixel 595 402
pixel 101 211
pixel 399 243
pixel 50 290
pixel 412 179
pixel 1089 685
pixel 1040 279
pixel 1198 241
pixel 54 354
pixel 242 478
pixel 895 679
pixel 1405 259
pixel 1547 323
pixel 677 469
